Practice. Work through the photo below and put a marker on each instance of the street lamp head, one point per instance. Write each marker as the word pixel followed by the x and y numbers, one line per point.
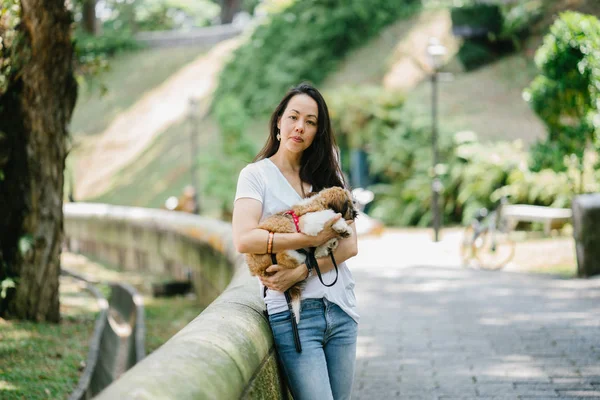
pixel 436 52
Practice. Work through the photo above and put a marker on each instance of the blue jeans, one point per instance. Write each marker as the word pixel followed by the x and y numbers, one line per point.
pixel 325 368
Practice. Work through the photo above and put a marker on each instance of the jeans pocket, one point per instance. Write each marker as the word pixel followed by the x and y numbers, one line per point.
pixel 280 318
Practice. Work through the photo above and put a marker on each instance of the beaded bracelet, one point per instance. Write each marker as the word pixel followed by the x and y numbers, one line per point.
pixel 270 243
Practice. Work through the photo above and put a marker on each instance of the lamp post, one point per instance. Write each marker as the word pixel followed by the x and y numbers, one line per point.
pixel 193 117
pixel 435 53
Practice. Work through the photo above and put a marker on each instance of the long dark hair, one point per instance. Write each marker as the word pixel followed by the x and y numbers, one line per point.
pixel 320 161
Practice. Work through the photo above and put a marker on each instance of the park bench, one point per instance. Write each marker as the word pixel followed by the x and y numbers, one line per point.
pixel 550 217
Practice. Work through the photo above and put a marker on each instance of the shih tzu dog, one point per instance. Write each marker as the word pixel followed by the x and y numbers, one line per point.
pixel 309 217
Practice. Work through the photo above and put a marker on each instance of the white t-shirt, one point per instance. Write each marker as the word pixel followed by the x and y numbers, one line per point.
pixel 264 182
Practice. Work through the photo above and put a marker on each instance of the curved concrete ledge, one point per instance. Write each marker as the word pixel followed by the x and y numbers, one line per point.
pixel 227 351
pixel 82 391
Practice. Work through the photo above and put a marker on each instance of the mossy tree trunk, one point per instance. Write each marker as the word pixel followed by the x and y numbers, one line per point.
pixel 34 113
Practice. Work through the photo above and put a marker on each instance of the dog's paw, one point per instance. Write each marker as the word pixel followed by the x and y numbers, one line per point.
pixel 324 249
pixel 321 251
pixel 342 228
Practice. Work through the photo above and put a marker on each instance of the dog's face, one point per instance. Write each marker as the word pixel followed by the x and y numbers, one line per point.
pixel 340 200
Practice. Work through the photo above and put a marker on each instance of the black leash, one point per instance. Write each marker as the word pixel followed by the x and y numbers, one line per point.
pixel 311 263
pixel 288 299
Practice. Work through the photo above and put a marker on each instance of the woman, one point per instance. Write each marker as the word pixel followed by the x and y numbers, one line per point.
pixel 300 157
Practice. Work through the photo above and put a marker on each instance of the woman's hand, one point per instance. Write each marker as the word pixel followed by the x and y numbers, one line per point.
pixel 283 278
pixel 327 233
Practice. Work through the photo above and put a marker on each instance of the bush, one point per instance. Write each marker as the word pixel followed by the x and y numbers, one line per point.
pixel 93 52
pixel 480 19
pixel 107 45
pixel 475 53
pixel 518 18
pixel 304 41
pixel 565 94
pixel 492 30
pixel 158 15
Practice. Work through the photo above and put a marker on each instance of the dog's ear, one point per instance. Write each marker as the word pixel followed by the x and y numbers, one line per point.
pixel 336 200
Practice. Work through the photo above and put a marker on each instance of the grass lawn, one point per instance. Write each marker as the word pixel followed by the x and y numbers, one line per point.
pixel 130 75
pixel 44 361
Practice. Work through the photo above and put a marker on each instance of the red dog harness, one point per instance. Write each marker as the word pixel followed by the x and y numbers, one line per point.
pixel 295 218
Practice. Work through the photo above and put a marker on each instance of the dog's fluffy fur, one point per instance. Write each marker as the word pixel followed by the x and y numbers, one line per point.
pixel 313 212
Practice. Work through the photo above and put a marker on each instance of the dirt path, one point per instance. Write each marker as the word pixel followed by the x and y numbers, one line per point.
pixel 133 130
pixel 409 64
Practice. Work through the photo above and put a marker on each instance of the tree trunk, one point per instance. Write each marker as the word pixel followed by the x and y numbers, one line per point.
pixel 34 113
pixel 89 17
pixel 228 9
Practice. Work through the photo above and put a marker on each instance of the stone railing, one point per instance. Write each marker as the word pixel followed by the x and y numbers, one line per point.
pixel 202 37
pixel 227 351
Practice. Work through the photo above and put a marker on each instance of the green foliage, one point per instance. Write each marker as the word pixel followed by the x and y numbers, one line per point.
pixel 154 15
pixel 474 54
pixel 473 174
pixel 518 17
pixel 552 188
pixel 547 154
pixel 496 29
pixel 10 11
pixel 106 45
pixel 478 16
pixel 358 114
pixel 566 93
pixel 305 41
pixel 477 170
pixel 25 244
pixel 236 149
pixel 93 53
pixel 6 284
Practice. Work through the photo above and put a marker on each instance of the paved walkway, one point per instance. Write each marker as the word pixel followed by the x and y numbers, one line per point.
pixel 434 330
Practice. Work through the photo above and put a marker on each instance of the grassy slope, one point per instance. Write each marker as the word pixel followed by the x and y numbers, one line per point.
pixel 130 75
pixel 163 169
pixel 487 101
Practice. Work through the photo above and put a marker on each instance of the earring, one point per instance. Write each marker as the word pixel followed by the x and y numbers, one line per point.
pixel 278 137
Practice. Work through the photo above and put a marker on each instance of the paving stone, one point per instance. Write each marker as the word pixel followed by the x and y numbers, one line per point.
pixel 595 394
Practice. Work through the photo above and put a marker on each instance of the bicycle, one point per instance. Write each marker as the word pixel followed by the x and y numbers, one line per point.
pixel 487 240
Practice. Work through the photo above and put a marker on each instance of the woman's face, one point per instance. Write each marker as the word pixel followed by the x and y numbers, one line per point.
pixel 298 124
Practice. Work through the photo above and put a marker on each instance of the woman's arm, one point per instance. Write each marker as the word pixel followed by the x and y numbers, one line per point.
pixel 247 238
pixel 282 279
